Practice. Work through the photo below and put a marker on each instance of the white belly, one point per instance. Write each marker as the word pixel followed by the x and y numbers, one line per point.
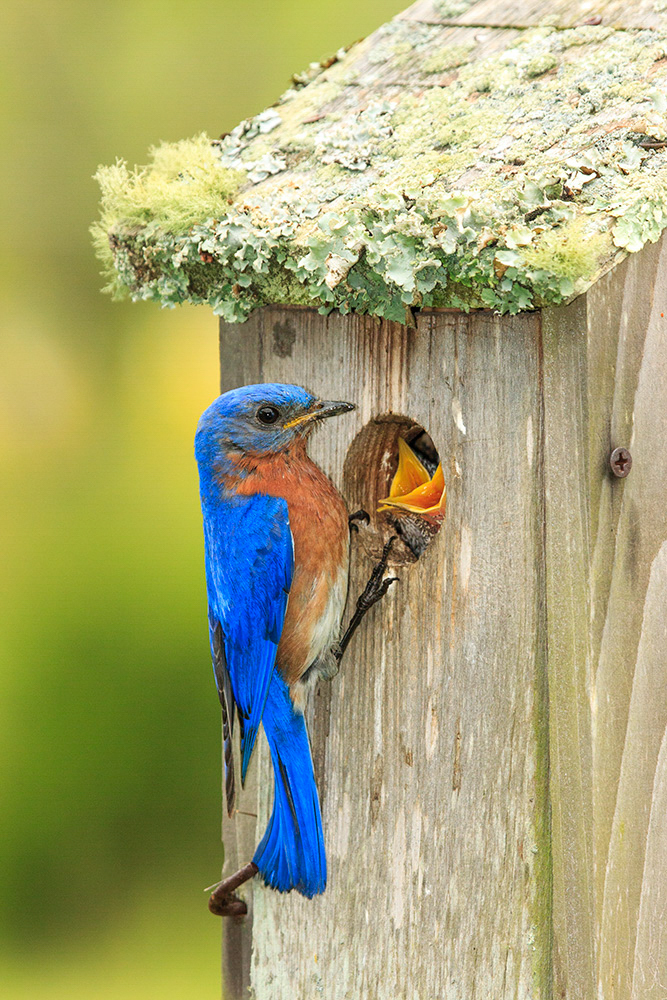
pixel 324 641
pixel 327 631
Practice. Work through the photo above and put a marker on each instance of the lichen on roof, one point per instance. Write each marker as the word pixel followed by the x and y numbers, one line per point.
pixel 432 164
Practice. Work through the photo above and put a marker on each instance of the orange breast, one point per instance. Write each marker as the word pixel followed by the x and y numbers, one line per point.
pixel 318 520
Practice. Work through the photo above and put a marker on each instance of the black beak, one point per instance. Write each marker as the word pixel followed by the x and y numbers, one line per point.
pixel 331 408
pixel 328 408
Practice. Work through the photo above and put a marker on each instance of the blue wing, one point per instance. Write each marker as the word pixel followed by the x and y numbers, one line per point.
pixel 249 567
pixel 227 704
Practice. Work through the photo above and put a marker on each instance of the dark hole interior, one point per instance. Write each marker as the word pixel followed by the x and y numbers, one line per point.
pixel 368 472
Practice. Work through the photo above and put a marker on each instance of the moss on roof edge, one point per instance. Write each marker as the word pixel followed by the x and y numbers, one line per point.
pixel 230 224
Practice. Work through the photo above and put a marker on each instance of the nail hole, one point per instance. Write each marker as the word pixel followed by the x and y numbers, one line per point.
pixel 368 472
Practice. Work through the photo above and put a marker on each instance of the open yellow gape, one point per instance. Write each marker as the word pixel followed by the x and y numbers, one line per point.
pixel 413 490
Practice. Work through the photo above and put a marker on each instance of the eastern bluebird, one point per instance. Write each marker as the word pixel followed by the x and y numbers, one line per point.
pixel 277 549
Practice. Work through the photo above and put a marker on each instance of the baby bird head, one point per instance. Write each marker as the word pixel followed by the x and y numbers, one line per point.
pixel 413 490
pixel 261 419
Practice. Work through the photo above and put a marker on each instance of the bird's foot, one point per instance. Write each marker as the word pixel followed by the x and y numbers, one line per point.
pixel 373 592
pixel 223 902
pixel 359 515
pixel 376 587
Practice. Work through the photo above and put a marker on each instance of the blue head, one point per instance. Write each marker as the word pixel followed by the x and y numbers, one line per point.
pixel 259 420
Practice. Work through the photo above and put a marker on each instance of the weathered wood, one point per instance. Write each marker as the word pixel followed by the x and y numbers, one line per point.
pixel 630 698
pixel 568 544
pixel 606 384
pixel 431 743
pixel 430 746
pixel 531 13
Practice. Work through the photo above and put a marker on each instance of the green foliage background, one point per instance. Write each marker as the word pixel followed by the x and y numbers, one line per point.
pixel 109 726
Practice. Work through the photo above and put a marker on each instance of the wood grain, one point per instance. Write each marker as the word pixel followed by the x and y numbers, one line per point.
pixel 606 384
pixel 529 13
pixel 570 749
pixel 626 741
pixel 431 742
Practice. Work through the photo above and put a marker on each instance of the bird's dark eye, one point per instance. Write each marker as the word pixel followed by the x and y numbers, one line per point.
pixel 268 414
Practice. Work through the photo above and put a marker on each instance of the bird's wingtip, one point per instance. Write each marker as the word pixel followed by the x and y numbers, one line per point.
pixel 247 747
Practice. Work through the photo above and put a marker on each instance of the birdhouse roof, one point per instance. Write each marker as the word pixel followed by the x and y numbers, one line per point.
pixel 467 154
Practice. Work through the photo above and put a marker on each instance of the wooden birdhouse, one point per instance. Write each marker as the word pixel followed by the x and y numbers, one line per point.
pixel 456 224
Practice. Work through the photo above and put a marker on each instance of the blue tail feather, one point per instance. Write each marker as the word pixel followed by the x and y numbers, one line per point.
pixel 291 853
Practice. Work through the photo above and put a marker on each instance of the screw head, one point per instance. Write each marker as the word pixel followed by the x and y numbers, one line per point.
pixel 620 461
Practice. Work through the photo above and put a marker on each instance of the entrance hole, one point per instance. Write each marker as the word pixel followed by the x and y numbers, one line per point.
pixel 368 473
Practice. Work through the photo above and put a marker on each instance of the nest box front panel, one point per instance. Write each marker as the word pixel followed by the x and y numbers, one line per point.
pixel 430 744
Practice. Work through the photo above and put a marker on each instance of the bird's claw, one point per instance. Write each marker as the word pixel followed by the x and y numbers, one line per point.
pixel 359 515
pixel 223 901
pixel 372 596
pixel 376 587
pixel 227 906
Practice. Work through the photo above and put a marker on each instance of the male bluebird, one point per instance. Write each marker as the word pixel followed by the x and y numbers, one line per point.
pixel 277 549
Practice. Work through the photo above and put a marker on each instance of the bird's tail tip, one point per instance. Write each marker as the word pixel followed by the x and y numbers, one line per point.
pixel 291 854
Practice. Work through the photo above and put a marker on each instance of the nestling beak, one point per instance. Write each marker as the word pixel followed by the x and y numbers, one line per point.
pixel 413 490
pixel 320 410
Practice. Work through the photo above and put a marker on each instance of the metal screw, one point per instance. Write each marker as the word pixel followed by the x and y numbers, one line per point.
pixel 620 461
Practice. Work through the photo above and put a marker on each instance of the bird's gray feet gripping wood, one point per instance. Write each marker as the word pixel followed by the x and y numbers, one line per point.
pixel 373 592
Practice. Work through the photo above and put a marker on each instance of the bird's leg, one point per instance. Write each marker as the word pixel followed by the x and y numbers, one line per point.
pixel 373 592
pixel 222 900
pixel 359 515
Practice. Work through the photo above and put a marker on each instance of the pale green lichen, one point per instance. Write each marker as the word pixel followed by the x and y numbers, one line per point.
pixel 540 64
pixel 513 182
pixel 184 181
pixel 641 220
pixel 452 8
pixel 448 57
pixel 570 251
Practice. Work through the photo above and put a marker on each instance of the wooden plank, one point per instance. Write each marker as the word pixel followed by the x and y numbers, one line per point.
pixel 630 956
pixel 530 13
pixel 650 972
pixel 626 742
pixel 431 742
pixel 605 363
pixel 619 315
pixel 566 461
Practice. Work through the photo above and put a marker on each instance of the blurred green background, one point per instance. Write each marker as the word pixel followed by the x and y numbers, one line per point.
pixel 109 724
